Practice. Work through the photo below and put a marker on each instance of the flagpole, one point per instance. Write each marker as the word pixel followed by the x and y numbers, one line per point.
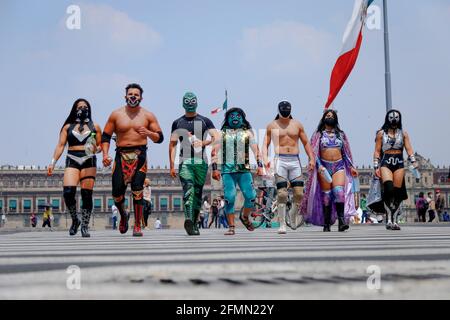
pixel 387 62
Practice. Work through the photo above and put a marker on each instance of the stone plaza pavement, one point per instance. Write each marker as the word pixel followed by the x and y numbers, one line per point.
pixel 367 262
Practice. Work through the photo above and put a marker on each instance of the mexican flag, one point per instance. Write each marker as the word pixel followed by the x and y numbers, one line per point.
pixel 350 50
pixel 224 106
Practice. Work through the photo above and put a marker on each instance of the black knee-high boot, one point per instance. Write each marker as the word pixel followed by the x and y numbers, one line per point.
pixel 71 204
pixel 86 210
pixel 327 218
pixel 340 213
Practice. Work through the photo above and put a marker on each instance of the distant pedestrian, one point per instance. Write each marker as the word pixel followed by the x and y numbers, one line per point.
pixel 47 218
pixel 214 213
pixel 363 206
pixel 422 207
pixel 158 224
pixel 440 204
pixel 3 219
pixel 115 216
pixel 206 208
pixel 33 220
pixel 431 207
pixel 147 202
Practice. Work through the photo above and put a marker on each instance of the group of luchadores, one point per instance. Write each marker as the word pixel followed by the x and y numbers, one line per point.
pixel 321 201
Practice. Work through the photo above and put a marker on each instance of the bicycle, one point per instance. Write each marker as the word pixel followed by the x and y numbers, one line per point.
pixel 266 208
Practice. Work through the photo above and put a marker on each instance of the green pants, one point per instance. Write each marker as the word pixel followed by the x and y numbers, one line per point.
pixel 192 176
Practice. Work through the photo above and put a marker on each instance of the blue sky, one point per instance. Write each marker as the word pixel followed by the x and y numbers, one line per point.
pixel 261 51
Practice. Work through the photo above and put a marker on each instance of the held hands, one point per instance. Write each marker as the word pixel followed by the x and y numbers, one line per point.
pixel 378 173
pixel 173 173
pixel 311 165
pixel 50 170
pixel 354 172
pixel 197 144
pixel 107 160
pixel 216 175
pixel 260 171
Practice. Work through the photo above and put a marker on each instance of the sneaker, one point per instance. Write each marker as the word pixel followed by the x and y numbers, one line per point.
pixel 395 226
pixel 282 229
pixel 389 226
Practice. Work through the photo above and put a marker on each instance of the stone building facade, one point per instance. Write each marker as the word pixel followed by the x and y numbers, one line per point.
pixel 26 189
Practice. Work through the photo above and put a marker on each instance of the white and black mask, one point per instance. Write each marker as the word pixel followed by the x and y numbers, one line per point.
pixel 394 119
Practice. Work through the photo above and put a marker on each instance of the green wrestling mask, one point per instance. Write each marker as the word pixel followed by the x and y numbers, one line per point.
pixel 190 102
pixel 235 120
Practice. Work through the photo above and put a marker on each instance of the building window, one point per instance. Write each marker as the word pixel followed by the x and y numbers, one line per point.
pixel 41 205
pixel 97 204
pixel 152 204
pixel 26 205
pixel 1 205
pixel 12 205
pixel 56 205
pixel 163 204
pixel 176 204
pixel 110 203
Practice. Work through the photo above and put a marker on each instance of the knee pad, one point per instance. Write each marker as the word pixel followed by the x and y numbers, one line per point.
pixel 298 194
pixel 282 184
pixel 339 194
pixel 282 195
pixel 69 196
pixel 326 198
pixel 388 191
pixel 86 196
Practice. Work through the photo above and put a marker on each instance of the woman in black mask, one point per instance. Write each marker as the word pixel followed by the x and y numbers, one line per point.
pixel 83 137
pixel 389 165
pixel 328 193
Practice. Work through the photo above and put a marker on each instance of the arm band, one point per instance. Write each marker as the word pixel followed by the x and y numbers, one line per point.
pixel 214 166
pixel 161 137
pixel 106 138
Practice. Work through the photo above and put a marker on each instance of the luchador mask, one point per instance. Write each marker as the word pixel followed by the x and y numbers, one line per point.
pixel 284 109
pixel 190 102
pixel 394 118
pixel 83 114
pixel 235 120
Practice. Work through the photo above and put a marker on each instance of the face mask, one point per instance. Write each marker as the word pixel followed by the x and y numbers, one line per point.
pixel 284 109
pixel 190 102
pixel 83 114
pixel 330 122
pixel 133 102
pixel 235 120
pixel 394 119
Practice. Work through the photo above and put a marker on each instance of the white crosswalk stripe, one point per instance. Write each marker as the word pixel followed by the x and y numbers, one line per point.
pixel 170 264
